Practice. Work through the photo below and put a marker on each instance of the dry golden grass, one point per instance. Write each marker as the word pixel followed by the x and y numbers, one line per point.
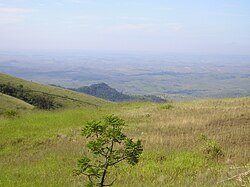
pixel 227 121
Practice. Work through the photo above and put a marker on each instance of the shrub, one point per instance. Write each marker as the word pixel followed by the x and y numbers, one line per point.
pixel 109 146
pixel 211 149
pixel 167 106
pixel 43 102
pixel 10 113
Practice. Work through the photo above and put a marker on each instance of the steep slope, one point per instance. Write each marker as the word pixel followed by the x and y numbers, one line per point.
pixel 64 98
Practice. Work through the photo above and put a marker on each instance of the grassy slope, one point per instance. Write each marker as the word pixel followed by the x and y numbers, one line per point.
pixel 41 148
pixel 11 103
pixel 69 99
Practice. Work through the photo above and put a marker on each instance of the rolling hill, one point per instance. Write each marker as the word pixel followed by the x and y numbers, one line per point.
pixel 62 97
pixel 12 103
pixel 41 148
pixel 104 91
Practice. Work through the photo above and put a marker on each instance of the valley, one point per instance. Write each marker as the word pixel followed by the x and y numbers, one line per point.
pixel 173 77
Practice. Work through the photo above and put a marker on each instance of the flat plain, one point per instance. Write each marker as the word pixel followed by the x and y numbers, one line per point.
pixel 175 77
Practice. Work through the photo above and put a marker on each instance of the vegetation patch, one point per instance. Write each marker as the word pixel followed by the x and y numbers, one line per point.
pixel 41 101
pixel 167 106
pixel 10 113
pixel 211 149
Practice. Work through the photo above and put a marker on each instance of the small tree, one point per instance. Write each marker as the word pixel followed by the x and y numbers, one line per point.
pixel 108 146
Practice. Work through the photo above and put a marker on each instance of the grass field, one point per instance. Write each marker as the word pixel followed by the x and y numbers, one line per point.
pixel 41 148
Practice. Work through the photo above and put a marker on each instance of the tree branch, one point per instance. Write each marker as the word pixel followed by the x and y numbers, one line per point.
pixel 237 177
pixel 118 161
pixel 110 183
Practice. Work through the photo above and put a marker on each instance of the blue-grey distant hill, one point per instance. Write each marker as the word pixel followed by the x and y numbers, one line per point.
pixel 104 91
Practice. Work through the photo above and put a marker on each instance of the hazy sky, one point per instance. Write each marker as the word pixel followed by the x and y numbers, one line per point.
pixel 171 26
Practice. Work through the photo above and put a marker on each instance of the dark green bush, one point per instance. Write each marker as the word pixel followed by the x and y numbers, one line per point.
pixel 41 101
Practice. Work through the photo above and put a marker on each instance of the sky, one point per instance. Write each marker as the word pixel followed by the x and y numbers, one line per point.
pixel 169 26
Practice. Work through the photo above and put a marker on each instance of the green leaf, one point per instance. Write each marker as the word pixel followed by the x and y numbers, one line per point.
pixel 93 128
pixel 133 151
pixel 83 164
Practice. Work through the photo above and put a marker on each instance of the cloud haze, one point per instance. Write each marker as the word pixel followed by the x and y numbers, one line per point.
pixel 139 25
pixel 12 15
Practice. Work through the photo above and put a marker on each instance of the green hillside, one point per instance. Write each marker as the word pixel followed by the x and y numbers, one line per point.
pixel 62 97
pixel 11 103
pixel 41 148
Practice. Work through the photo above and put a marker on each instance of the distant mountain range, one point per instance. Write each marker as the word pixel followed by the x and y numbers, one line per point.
pixel 104 91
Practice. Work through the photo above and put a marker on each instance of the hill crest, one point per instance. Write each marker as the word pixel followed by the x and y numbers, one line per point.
pixel 63 97
pixel 104 91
